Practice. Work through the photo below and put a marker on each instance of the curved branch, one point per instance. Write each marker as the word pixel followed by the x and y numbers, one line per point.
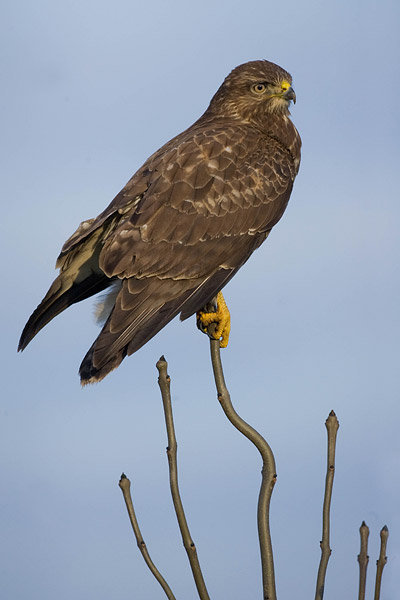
pixel 332 426
pixel 268 472
pixel 164 381
pixel 125 486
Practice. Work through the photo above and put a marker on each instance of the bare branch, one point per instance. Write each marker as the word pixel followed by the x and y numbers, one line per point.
pixel 332 426
pixel 125 486
pixel 381 562
pixel 363 559
pixel 268 472
pixel 164 382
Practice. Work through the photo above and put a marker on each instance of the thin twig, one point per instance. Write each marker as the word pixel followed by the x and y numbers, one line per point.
pixel 268 472
pixel 125 486
pixel 164 382
pixel 363 559
pixel 332 426
pixel 381 562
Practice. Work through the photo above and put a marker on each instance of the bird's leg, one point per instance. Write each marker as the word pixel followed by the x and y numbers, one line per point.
pixel 216 312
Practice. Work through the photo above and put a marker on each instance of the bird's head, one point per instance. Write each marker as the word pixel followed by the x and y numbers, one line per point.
pixel 254 90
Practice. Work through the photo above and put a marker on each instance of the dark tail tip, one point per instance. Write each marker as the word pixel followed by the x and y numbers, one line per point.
pixel 57 300
pixel 89 373
pixel 29 332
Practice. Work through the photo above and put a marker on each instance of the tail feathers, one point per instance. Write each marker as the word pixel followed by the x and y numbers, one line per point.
pixel 142 308
pixel 61 294
pixel 112 345
pixel 89 373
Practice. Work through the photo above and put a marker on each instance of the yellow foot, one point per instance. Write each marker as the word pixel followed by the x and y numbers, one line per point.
pixel 221 317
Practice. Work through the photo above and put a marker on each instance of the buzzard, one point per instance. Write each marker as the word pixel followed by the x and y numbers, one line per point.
pixel 185 223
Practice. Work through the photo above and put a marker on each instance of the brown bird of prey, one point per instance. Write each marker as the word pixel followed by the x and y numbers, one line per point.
pixel 185 223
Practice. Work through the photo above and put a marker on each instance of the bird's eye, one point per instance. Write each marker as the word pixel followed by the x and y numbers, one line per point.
pixel 259 88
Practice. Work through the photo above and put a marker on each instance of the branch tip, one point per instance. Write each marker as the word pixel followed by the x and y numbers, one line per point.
pixel 162 365
pixel 124 483
pixel 384 531
pixel 332 422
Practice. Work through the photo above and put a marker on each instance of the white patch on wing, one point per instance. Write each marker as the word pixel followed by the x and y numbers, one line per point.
pixel 86 224
pixel 213 164
pixel 106 302
pixel 130 205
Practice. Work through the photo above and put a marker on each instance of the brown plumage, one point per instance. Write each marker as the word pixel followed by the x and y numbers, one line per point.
pixel 187 220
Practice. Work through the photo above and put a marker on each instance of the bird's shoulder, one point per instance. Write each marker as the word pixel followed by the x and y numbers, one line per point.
pixel 210 168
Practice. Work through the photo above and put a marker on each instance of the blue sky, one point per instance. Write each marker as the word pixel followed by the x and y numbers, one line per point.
pixel 90 89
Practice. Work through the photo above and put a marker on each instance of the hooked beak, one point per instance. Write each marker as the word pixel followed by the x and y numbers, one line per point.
pixel 290 95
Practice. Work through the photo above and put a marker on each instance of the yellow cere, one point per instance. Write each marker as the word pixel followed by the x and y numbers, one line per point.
pixel 285 85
